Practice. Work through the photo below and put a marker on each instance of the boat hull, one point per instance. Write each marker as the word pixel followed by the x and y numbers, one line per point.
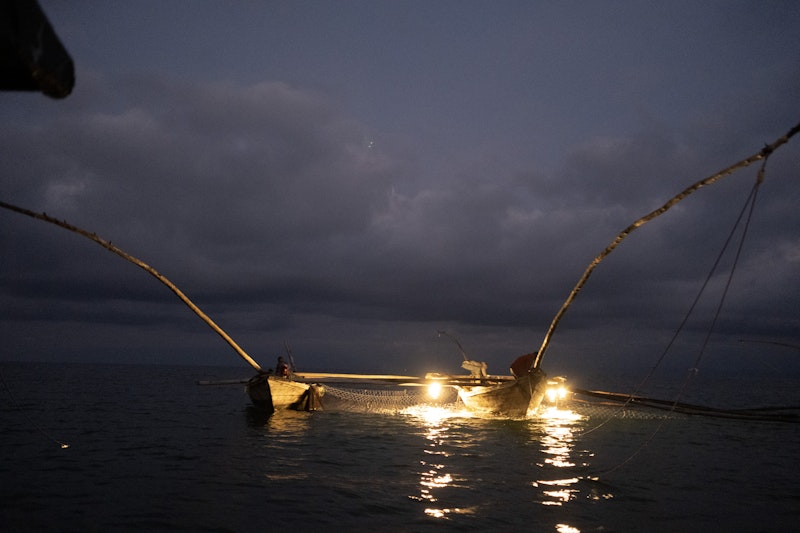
pixel 513 399
pixel 276 393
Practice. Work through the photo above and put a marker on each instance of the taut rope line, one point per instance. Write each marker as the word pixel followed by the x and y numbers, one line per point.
pixel 762 154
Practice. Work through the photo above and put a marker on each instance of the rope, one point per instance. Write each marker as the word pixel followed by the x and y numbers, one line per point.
pixel 19 408
pixel 748 208
pixel 761 155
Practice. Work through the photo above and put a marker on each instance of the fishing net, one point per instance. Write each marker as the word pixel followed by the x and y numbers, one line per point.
pixel 383 400
pixel 396 400
pixel 606 411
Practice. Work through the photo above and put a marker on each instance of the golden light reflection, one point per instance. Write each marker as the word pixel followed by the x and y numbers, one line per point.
pixel 557 447
pixel 555 434
pixel 432 480
pixel 435 475
pixel 442 513
pixel 556 414
pixel 561 492
pixel 432 415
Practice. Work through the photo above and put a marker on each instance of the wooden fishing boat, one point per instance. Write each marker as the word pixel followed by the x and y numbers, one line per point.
pixel 303 391
pixel 274 393
pixel 512 396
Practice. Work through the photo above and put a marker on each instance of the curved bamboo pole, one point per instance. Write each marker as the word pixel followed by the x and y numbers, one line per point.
pixel 763 154
pixel 107 245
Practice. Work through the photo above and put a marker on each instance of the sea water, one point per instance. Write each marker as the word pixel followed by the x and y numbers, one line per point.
pixel 144 448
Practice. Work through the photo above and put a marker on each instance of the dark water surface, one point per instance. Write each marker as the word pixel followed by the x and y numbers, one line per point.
pixel 149 450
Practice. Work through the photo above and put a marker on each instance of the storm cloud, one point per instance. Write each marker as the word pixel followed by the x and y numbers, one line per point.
pixel 353 188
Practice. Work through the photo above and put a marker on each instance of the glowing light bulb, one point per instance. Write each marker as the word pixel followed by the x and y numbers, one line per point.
pixel 434 390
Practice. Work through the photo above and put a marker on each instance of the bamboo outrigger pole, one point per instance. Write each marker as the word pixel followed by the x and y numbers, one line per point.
pixel 763 154
pixel 107 245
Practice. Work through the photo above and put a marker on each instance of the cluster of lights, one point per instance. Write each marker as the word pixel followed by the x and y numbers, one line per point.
pixel 555 390
pixel 555 394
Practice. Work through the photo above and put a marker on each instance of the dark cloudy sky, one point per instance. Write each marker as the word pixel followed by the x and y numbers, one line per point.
pixel 353 176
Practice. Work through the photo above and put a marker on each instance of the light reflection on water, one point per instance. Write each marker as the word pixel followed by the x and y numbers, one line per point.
pixel 434 474
pixel 555 463
pixel 557 447
pixel 199 460
pixel 559 478
pixel 544 451
pixel 437 464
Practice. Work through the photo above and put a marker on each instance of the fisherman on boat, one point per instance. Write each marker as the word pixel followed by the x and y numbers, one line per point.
pixel 282 369
pixel 523 364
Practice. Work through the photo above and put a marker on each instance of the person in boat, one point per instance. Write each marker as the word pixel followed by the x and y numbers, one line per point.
pixel 523 364
pixel 281 369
